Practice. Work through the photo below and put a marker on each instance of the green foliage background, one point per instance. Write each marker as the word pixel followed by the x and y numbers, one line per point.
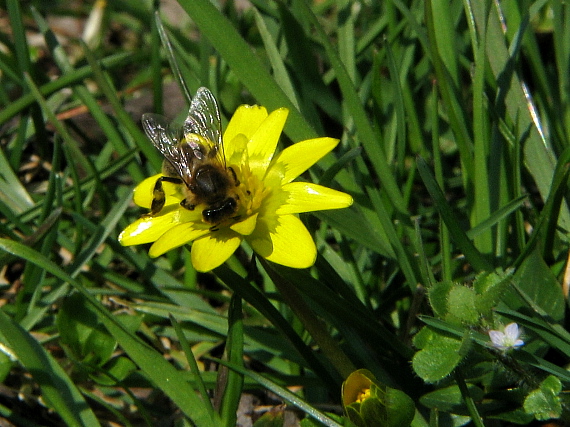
pixel 454 123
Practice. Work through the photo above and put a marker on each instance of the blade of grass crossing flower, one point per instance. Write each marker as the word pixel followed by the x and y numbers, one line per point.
pixel 151 363
pixel 450 220
pixel 329 174
pixel 162 281
pixel 363 126
pixel 234 354
pixel 58 390
pixel 247 67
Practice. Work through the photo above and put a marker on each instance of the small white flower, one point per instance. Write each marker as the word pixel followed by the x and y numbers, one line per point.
pixel 508 338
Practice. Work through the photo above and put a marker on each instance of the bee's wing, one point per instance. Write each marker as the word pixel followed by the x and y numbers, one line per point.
pixel 204 120
pixel 166 139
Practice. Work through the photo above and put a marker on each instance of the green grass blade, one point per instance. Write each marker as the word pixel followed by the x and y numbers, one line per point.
pixel 245 64
pixel 193 366
pixel 353 104
pixel 458 119
pixel 152 363
pixel 66 80
pixel 233 387
pixel 284 394
pixel 58 390
pixel 263 305
pixel 539 157
pixel 459 236
pixel 280 71
pixel 481 152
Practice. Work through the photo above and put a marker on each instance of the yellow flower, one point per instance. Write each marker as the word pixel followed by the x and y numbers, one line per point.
pixel 268 200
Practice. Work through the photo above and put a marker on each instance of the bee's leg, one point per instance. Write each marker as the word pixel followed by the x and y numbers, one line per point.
pixel 233 172
pixel 187 205
pixel 158 196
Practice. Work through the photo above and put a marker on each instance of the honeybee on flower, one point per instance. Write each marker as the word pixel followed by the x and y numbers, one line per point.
pixel 253 197
pixel 195 158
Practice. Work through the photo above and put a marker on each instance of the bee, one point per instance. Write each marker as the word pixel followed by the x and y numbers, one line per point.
pixel 194 158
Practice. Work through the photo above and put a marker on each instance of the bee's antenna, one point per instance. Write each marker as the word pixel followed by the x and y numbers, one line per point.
pixel 171 58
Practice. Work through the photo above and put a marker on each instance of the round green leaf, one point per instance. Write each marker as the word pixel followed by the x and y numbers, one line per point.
pixel 438 358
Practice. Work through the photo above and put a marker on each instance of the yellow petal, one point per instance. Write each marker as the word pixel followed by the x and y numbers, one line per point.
pixel 355 384
pixel 214 249
pixel 149 228
pixel 245 120
pixel 177 236
pixel 245 227
pixel 287 242
pixel 262 144
pixel 142 194
pixel 307 197
pixel 238 153
pixel 299 157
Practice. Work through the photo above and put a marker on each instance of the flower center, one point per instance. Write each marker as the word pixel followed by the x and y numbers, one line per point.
pixel 251 191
